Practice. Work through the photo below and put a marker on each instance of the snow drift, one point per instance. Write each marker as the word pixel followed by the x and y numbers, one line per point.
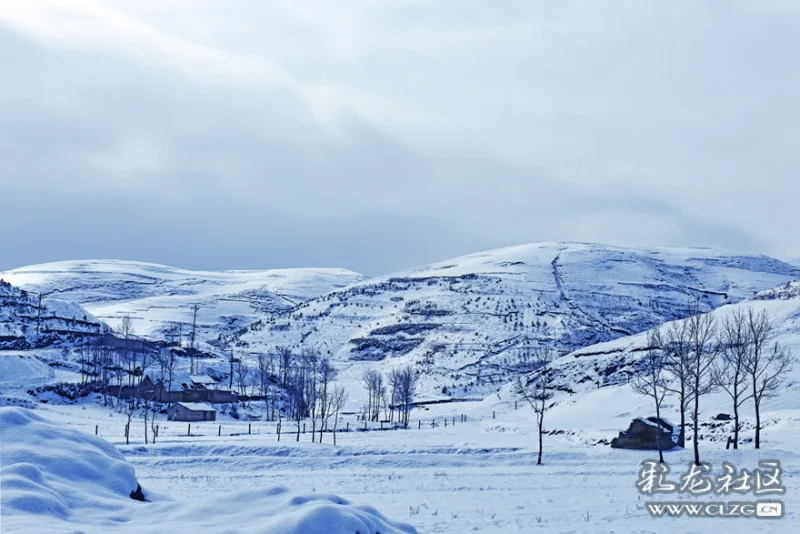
pixel 55 479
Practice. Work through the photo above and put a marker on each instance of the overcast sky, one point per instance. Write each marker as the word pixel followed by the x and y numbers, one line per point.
pixel 379 135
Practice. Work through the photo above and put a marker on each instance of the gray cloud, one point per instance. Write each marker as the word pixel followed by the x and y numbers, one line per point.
pixel 383 135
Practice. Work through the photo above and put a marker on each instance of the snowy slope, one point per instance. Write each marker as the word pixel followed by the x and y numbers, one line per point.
pixel 595 387
pixel 158 297
pixel 467 322
pixel 24 325
pixel 609 363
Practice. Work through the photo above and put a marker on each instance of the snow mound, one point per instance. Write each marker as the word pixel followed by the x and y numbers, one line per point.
pixel 277 510
pixel 50 470
pixel 56 479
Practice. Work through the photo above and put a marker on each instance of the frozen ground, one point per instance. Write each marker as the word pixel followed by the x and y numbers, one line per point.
pixel 55 479
pixel 476 476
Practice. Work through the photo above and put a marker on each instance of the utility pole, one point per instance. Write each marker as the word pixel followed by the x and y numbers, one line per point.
pixel 192 360
pixel 39 316
pixel 230 386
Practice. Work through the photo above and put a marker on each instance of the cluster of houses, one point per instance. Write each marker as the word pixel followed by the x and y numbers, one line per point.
pixel 189 400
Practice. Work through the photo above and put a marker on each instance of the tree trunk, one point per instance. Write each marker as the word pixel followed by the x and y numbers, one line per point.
pixel 735 425
pixel 539 459
pixel 682 440
pixel 758 425
pixel 658 439
pixel 696 433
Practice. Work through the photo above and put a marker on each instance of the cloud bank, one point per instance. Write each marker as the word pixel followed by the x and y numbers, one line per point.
pixel 382 135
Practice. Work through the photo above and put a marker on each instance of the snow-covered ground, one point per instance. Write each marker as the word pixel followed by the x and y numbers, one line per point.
pixel 474 476
pixel 56 479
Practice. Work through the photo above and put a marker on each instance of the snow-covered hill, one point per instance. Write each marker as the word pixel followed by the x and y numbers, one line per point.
pixel 23 324
pixel 159 298
pixel 611 363
pixel 469 321
pixel 594 383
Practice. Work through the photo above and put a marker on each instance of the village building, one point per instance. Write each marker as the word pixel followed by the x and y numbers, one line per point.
pixel 199 388
pixel 191 411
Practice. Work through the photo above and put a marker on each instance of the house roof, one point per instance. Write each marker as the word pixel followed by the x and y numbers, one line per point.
pixel 202 379
pixel 197 406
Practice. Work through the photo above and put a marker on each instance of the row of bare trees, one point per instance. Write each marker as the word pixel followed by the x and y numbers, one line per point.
pixel 297 386
pixel 391 394
pixel 690 358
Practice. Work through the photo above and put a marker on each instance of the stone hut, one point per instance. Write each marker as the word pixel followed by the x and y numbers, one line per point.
pixel 645 434
pixel 192 411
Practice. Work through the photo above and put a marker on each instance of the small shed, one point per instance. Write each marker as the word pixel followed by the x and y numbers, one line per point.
pixel 649 434
pixel 192 411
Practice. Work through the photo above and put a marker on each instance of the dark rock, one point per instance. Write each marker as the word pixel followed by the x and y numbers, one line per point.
pixel 723 417
pixel 645 434
pixel 138 495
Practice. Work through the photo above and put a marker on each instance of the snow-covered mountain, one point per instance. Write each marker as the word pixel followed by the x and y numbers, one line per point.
pixel 23 324
pixel 160 298
pixel 468 322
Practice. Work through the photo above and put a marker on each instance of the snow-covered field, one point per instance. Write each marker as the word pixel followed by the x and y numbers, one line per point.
pixel 476 476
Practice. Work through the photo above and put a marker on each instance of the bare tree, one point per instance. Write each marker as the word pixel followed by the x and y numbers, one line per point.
pixel 536 391
pixel 702 334
pixel 766 366
pixel 264 372
pixel 244 378
pixel 327 374
pixel 730 372
pixel 129 411
pixel 652 381
pixel 373 382
pixel 285 358
pixel 337 402
pixel 311 363
pixel 393 379
pixel 125 331
pixel 678 363
pixel 406 391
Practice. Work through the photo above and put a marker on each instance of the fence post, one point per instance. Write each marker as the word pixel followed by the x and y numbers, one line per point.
pixel 381 425
pixel 492 414
pixel 189 431
pixel 96 428
pixel 420 424
pixel 348 429
pixel 304 428
pixel 219 433
pixel 454 420
pixel 445 422
pixel 248 428
pixel 365 425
